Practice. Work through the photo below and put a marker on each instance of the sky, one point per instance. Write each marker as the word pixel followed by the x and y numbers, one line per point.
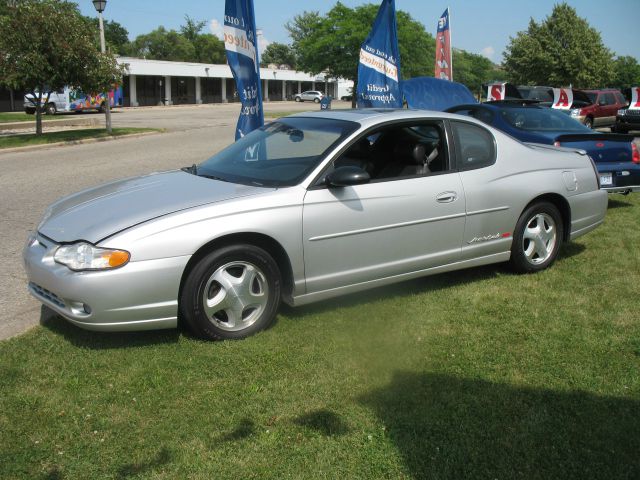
pixel 478 27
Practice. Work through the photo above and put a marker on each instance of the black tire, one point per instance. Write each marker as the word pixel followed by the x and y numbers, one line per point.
pixel 316 100
pixel 50 109
pixel 526 256
pixel 255 277
pixel 588 122
pixel 298 99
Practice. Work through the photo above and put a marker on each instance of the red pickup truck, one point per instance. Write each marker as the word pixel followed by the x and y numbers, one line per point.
pixel 602 110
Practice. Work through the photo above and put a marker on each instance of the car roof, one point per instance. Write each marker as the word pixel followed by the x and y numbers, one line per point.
pixel 367 116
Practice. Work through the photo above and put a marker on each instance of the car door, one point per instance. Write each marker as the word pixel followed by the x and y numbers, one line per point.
pixel 387 227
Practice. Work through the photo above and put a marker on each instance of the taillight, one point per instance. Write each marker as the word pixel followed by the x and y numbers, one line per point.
pixel 556 143
pixel 635 154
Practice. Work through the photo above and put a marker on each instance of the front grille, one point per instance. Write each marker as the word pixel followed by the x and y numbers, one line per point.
pixel 46 295
pixel 632 112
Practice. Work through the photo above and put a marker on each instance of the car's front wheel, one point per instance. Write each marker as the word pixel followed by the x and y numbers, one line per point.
pixel 298 99
pixel 588 122
pixel 50 109
pixel 231 293
pixel 316 100
pixel 537 238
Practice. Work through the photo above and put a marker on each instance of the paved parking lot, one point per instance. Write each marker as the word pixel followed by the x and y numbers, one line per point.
pixel 29 181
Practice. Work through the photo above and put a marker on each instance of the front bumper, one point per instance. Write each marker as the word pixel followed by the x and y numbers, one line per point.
pixel 139 296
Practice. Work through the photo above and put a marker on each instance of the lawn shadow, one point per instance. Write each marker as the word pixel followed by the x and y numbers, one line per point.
pixel 136 469
pixel 400 290
pixel 570 249
pixel 245 429
pixel 613 203
pixel 450 428
pixel 103 340
pixel 323 421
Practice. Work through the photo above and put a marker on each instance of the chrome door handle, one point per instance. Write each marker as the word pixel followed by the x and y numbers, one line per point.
pixel 446 197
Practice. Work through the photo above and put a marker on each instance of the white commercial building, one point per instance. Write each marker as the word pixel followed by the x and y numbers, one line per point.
pixel 159 82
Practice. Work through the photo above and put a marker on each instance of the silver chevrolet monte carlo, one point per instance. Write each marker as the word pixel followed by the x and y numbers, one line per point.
pixel 309 207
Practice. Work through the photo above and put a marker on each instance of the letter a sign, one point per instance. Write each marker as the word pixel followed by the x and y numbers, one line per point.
pixel 635 98
pixel 562 98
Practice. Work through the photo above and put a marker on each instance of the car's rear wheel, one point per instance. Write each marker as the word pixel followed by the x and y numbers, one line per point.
pixel 231 293
pixel 50 109
pixel 316 100
pixel 298 99
pixel 537 238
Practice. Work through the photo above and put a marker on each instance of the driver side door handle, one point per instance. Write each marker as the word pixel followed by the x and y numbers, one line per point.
pixel 446 197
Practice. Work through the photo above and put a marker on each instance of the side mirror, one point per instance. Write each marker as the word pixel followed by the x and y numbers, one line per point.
pixel 347 176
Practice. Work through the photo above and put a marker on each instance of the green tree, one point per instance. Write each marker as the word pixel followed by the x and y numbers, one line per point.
pixel 162 44
pixel 562 50
pixel 626 72
pixel 331 43
pixel 474 70
pixel 115 35
pixel 47 44
pixel 209 49
pixel 278 53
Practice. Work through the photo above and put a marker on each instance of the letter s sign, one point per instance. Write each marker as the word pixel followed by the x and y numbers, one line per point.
pixel 496 92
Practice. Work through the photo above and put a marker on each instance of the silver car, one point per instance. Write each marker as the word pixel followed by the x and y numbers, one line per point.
pixel 309 96
pixel 309 207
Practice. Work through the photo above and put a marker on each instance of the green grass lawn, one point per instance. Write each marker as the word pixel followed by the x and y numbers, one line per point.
pixel 66 136
pixel 9 117
pixel 475 374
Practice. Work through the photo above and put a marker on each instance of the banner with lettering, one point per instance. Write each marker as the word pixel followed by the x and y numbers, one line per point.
pixel 444 67
pixel 635 98
pixel 562 98
pixel 241 45
pixel 379 67
pixel 496 91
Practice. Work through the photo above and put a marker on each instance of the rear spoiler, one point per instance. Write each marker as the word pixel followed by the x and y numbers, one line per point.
pixel 585 137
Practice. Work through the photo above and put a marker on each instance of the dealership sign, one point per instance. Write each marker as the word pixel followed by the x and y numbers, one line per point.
pixel 444 69
pixel 379 67
pixel 635 98
pixel 240 43
pixel 496 91
pixel 562 98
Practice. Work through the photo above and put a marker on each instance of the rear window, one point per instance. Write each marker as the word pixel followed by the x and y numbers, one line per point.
pixel 540 120
pixel 475 145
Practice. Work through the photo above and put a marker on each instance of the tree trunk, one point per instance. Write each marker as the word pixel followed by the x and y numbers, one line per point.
pixel 107 114
pixel 38 113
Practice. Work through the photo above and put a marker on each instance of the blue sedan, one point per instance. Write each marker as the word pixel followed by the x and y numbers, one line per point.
pixel 616 156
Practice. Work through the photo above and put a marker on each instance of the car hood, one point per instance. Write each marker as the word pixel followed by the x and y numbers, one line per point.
pixel 99 212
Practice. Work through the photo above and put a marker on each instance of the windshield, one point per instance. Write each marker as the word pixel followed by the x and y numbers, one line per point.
pixel 541 119
pixel 280 154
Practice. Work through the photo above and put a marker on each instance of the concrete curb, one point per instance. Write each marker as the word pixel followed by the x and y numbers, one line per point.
pixel 61 122
pixel 75 142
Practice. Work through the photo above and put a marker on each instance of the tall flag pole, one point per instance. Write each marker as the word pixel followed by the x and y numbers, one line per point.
pixel 241 45
pixel 444 67
pixel 379 67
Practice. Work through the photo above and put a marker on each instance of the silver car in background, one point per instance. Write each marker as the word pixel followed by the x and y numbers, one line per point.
pixel 309 96
pixel 307 208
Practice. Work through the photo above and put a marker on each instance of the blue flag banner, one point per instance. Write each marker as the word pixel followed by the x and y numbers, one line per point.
pixel 241 44
pixel 379 67
pixel 435 94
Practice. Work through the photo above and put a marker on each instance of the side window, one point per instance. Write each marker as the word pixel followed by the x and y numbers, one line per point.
pixel 609 99
pixel 481 114
pixel 475 146
pixel 409 150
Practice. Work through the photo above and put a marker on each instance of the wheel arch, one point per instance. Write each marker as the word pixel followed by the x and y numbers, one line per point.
pixel 265 242
pixel 563 207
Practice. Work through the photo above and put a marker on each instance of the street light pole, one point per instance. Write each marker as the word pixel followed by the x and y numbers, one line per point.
pixel 100 6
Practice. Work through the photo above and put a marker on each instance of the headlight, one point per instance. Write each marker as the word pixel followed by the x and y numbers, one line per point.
pixel 84 256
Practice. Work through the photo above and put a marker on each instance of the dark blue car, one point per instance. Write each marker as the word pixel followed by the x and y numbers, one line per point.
pixel 616 156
